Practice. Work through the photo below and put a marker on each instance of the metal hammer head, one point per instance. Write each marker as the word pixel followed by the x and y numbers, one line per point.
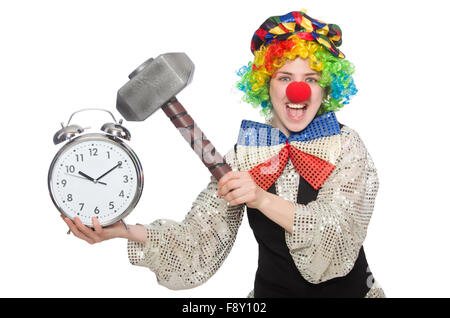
pixel 153 84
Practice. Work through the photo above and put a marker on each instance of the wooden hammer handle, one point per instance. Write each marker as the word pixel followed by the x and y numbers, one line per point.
pixel 196 138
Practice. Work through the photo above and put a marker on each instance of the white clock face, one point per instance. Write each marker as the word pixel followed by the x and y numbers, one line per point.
pixel 95 177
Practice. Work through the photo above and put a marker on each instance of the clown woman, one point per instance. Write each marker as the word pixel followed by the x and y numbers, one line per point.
pixel 306 182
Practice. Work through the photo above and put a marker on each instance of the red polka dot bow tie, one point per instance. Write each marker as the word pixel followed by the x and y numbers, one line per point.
pixel 264 151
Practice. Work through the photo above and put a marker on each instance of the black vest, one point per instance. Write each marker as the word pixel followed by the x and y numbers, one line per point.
pixel 277 275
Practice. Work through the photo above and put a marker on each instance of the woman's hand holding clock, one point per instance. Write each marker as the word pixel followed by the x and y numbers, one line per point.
pixel 99 234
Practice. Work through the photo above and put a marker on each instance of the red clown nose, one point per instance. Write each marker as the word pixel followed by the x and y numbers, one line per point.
pixel 298 92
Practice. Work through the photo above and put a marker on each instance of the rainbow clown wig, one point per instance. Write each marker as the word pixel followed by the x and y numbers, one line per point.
pixel 297 35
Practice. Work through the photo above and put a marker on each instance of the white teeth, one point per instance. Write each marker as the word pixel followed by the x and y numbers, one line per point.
pixel 297 106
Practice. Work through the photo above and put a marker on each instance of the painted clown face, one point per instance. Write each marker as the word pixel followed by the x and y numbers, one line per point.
pixel 295 106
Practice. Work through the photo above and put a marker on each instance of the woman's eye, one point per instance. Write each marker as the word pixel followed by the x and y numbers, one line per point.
pixel 311 80
pixel 284 79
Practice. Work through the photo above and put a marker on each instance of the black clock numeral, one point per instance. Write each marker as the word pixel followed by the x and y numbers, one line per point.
pixel 69 197
pixel 70 169
pixel 64 182
pixel 96 210
pixel 121 194
pixel 120 164
pixel 82 206
pixel 93 152
pixel 125 179
pixel 79 157
pixel 109 155
pixel 111 205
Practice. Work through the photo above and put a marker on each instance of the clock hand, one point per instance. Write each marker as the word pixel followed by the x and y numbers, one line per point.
pixel 84 178
pixel 74 175
pixel 88 177
pixel 117 165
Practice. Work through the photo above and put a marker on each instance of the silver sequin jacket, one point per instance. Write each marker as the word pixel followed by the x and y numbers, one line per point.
pixel 327 235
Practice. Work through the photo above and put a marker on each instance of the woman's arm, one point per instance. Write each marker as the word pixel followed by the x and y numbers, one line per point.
pixel 328 233
pixel 279 210
pixel 186 254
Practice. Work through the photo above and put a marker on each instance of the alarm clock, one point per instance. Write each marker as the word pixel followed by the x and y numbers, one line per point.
pixel 95 174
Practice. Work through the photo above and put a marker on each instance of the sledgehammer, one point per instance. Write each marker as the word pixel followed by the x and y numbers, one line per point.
pixel 153 85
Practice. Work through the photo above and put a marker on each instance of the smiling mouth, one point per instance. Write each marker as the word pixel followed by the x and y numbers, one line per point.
pixel 296 111
pixel 297 106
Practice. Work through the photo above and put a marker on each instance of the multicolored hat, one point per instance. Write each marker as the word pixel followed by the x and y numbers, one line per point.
pixel 279 28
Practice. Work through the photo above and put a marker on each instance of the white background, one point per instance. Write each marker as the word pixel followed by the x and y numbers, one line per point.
pixel 60 56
